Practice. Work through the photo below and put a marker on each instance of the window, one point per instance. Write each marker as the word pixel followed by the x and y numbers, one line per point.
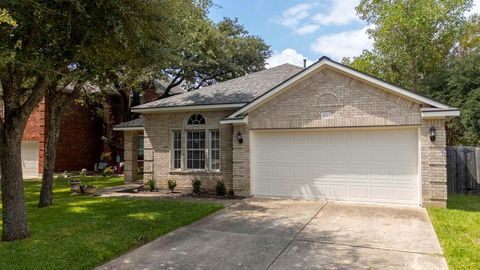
pixel 140 148
pixel 196 119
pixel 196 149
pixel 215 149
pixel 177 149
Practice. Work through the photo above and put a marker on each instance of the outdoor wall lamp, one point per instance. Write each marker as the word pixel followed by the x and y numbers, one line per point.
pixel 239 137
pixel 432 132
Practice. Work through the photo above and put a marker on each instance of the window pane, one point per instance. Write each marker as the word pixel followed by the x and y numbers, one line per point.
pixel 214 149
pixel 196 149
pixel 177 149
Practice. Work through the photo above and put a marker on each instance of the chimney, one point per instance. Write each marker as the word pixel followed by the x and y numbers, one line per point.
pixel 304 62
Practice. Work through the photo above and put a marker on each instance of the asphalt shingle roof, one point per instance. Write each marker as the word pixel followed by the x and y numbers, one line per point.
pixel 239 90
pixel 132 124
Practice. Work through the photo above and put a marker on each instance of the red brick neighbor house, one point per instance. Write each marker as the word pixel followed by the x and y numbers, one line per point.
pixel 324 132
pixel 79 145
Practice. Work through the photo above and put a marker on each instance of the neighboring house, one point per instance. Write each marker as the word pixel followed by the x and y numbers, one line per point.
pixel 324 132
pixel 79 145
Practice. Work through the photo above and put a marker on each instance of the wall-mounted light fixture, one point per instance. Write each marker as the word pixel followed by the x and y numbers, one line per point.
pixel 432 133
pixel 239 137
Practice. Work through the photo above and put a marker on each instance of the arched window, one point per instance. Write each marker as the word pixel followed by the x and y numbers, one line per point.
pixel 196 119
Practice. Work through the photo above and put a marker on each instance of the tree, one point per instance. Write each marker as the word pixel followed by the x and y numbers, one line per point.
pixel 158 40
pixel 412 38
pixel 215 53
pixel 43 41
pixel 458 84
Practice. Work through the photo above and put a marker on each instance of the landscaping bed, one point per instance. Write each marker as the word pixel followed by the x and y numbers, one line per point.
pixel 180 193
pixel 458 229
pixel 81 232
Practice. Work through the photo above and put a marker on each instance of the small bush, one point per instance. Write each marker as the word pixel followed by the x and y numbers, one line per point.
pixel 171 184
pixel 151 185
pixel 196 185
pixel 108 171
pixel 220 188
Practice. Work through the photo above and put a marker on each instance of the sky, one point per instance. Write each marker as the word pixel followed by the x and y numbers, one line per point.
pixel 302 29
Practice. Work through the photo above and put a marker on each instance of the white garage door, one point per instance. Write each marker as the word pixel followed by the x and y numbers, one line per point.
pixel 30 159
pixel 353 165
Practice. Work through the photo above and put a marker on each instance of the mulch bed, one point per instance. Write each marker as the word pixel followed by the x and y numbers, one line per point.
pixel 180 193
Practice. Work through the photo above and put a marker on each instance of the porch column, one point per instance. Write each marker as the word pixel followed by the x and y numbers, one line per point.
pixel 130 166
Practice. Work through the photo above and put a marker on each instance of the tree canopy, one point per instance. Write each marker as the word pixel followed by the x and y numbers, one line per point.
pixel 428 46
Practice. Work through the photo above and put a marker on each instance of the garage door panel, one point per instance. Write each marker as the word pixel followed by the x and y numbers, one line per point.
pixel 30 157
pixel 357 165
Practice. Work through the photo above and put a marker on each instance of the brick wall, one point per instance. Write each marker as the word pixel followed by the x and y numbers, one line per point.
pixel 157 147
pixel 241 161
pixel 79 145
pixel 351 103
pixel 35 131
pixel 433 163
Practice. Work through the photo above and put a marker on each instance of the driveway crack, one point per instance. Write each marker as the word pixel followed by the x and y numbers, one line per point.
pixel 296 235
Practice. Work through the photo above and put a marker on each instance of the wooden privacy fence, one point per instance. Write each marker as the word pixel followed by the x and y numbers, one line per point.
pixel 463 170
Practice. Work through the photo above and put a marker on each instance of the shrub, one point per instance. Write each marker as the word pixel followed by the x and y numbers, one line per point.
pixel 151 185
pixel 220 188
pixel 196 185
pixel 106 157
pixel 171 184
pixel 108 171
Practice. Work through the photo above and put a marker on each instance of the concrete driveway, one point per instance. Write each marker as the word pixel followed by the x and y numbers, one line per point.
pixel 264 233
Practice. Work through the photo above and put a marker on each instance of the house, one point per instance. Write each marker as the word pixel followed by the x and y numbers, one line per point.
pixel 79 144
pixel 323 132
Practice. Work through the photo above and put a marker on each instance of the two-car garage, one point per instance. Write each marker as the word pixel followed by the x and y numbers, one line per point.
pixel 360 165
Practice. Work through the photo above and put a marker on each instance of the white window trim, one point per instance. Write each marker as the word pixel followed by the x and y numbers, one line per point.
pixel 210 150
pixel 172 165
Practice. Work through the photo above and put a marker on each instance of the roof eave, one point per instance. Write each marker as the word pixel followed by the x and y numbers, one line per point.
pixel 128 128
pixel 203 107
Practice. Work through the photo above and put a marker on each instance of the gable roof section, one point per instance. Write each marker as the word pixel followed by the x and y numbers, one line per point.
pixel 233 93
pixel 327 62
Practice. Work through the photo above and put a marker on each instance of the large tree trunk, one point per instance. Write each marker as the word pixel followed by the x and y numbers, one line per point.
pixel 53 120
pixel 14 212
pixel 57 103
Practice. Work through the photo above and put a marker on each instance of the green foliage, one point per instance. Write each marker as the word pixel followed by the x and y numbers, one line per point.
pixel 106 156
pixel 458 84
pixel 172 184
pixel 220 188
pixel 458 231
pixel 82 232
pixel 151 185
pixel 217 52
pixel 108 171
pixel 412 37
pixel 196 185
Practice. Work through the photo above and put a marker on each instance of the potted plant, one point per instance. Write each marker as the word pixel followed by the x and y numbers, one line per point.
pixel 75 185
pixel 90 189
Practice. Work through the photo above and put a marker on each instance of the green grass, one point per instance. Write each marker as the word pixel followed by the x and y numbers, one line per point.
pixel 458 229
pixel 81 232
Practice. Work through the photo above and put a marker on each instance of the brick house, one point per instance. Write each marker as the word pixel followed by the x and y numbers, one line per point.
pixel 78 147
pixel 324 132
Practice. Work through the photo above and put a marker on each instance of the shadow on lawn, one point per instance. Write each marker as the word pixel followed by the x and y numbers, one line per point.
pixel 468 203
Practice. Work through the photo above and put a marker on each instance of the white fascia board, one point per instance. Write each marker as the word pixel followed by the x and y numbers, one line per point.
pixel 432 114
pixel 243 121
pixel 128 128
pixel 188 108
pixel 327 62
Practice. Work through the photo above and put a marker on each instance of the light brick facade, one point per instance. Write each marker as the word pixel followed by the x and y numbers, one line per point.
pixel 326 99
pixel 158 149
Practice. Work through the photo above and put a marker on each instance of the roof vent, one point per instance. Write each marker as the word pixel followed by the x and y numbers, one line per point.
pixel 304 62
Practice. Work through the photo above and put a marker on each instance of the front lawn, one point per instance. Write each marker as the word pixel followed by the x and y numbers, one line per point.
pixel 458 229
pixel 81 232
